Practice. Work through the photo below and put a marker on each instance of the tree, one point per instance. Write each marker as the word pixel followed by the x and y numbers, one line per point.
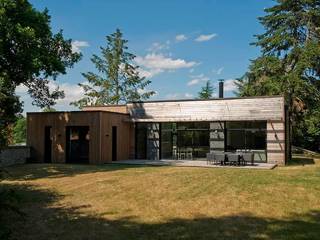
pixel 119 80
pixel 49 109
pixel 20 130
pixel 206 91
pixel 30 54
pixel 290 65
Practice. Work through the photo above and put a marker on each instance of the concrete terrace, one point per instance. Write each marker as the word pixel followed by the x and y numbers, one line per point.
pixel 191 163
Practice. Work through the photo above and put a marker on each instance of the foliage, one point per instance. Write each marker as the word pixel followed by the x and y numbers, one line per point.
pixel 20 130
pixel 9 106
pixel 29 54
pixel 290 65
pixel 49 109
pixel 206 91
pixel 119 81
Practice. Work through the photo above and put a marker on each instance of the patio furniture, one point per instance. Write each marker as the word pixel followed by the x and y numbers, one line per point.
pixel 233 158
pixel 248 157
pixel 219 158
pixel 174 153
pixel 210 158
pixel 189 154
pixel 181 154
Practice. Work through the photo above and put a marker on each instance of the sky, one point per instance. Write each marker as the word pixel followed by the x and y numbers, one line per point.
pixel 179 44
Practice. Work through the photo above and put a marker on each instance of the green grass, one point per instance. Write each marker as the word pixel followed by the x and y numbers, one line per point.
pixel 139 202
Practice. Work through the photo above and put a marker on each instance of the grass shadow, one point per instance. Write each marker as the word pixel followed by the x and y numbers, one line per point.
pixel 301 160
pixel 46 219
pixel 41 170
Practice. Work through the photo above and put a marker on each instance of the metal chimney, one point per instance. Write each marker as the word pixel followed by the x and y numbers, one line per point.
pixel 221 82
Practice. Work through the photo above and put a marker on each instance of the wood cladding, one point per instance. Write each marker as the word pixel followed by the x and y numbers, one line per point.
pixel 110 108
pixel 237 109
pixel 100 125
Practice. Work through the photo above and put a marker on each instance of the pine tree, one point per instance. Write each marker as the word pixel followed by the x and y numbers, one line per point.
pixel 118 80
pixel 206 91
pixel 290 64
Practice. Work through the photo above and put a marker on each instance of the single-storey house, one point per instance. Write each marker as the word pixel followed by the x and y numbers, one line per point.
pixel 162 130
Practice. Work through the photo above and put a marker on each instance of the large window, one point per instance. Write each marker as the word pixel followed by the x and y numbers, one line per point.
pixel 185 136
pixel 247 136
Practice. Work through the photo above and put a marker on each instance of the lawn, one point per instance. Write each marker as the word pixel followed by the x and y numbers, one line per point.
pixel 139 202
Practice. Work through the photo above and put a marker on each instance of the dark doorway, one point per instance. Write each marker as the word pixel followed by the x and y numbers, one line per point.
pixel 114 143
pixel 141 141
pixel 47 144
pixel 77 144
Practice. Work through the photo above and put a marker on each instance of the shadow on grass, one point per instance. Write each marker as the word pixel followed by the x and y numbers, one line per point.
pixel 41 170
pixel 301 160
pixel 46 220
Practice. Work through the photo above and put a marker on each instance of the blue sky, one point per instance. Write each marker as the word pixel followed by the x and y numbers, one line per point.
pixel 179 44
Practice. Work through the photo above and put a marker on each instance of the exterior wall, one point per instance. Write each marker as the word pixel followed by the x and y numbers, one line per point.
pixel 125 136
pixel 232 109
pixel 36 123
pixel 111 108
pixel 276 152
pixel 99 124
pixel 14 155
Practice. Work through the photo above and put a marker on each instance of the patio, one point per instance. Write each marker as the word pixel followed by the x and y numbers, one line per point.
pixel 192 163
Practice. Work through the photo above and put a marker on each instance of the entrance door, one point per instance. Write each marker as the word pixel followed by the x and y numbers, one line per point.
pixel 47 145
pixel 77 144
pixel 114 143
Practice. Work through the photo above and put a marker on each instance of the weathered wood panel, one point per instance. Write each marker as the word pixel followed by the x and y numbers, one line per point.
pixel 276 149
pixel 111 108
pixel 233 109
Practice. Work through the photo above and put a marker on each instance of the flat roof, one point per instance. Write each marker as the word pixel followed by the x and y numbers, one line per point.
pixel 194 99
pixel 94 111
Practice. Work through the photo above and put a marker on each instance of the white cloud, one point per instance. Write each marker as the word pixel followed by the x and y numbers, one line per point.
pixel 217 71
pixel 153 64
pixel 229 85
pixel 159 61
pixel 191 70
pixel 72 92
pixel 172 96
pixel 204 38
pixel 157 47
pixel 188 95
pixel 142 91
pixel 149 73
pixel 197 79
pixel 77 45
pixel 21 89
pixel 181 38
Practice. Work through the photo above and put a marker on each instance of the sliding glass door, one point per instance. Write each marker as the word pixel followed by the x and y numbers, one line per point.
pixel 184 137
pixel 247 136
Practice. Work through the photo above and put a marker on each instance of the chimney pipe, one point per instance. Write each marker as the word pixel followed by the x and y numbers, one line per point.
pixel 221 82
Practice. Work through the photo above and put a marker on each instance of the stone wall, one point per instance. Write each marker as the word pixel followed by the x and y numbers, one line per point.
pixel 14 155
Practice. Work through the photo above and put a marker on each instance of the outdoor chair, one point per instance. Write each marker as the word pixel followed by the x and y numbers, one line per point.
pixel 247 157
pixel 233 159
pixel 189 155
pixel 219 158
pixel 210 158
pixel 175 154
